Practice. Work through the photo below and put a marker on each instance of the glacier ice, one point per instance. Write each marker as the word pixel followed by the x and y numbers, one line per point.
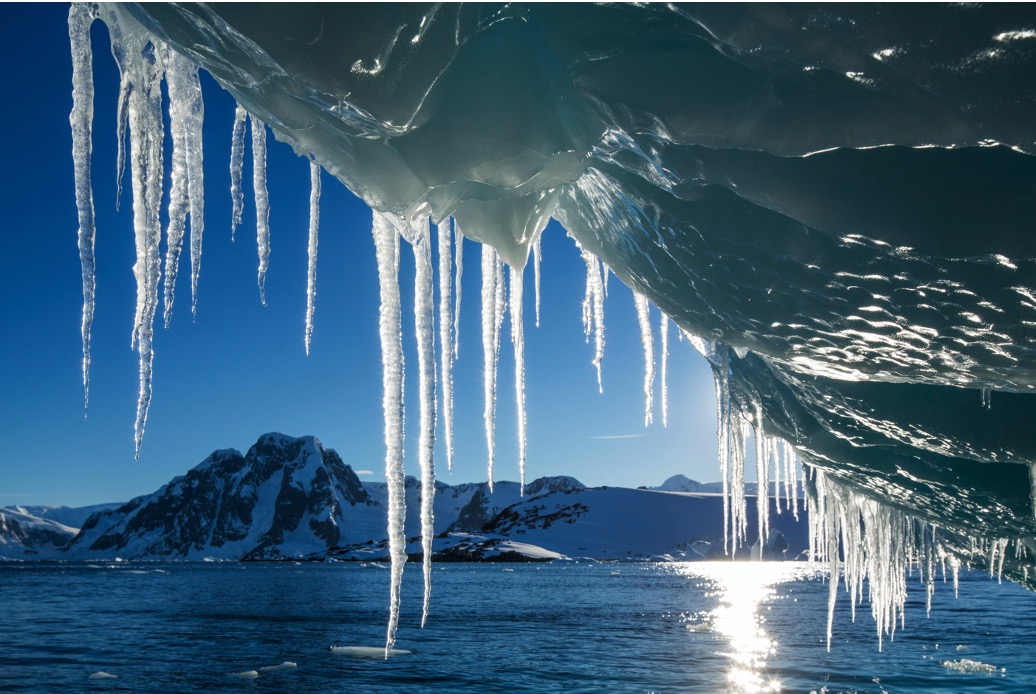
pixel 835 207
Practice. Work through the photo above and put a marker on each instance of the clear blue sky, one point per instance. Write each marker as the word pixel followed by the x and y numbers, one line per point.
pixel 241 369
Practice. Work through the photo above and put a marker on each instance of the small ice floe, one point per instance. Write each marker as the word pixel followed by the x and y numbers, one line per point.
pixel 366 651
pixel 699 628
pixel 102 675
pixel 246 675
pixel 962 647
pixel 971 666
pixel 286 665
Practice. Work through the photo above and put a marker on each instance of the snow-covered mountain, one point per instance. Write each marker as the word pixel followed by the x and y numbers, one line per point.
pixel 286 497
pixel 26 536
pixel 291 498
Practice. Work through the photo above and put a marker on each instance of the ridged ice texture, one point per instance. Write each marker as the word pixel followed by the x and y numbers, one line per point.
pixel 518 341
pixel 262 201
pixel 386 243
pixel 237 163
pixel 80 17
pixel 648 342
pixel 424 330
pixel 314 239
pixel 446 328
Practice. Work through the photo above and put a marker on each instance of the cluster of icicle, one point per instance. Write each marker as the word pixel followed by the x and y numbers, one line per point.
pixel 879 543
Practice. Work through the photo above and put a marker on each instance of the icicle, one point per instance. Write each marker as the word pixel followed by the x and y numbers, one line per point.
pixel 445 335
pixel 987 399
pixel 536 251
pixel 664 332
pixel 387 251
pixel 518 338
pixel 489 351
pixel 1032 487
pixel 237 162
pixel 262 201
pixel 194 118
pixel 314 229
pixel 424 329
pixel 593 311
pixel 122 121
pixel 762 477
pixel 178 80
pixel 644 318
pixel 80 17
pixel 459 250
pixel 146 134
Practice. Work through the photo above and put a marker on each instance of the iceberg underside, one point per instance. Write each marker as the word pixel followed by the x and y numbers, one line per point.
pixel 837 200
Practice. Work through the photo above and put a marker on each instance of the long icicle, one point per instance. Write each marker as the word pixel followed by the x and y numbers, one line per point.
pixel 424 329
pixel 314 228
pixel 537 251
pixel 237 163
pixel 121 123
pixel 389 330
pixel 194 118
pixel 446 334
pixel 489 262
pixel 458 249
pixel 598 314
pixel 518 340
pixel 177 80
pixel 644 318
pixel 664 335
pixel 762 469
pixel 146 135
pixel 262 201
pixel 80 17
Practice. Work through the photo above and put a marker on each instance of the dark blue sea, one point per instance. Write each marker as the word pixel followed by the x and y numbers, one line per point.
pixel 577 627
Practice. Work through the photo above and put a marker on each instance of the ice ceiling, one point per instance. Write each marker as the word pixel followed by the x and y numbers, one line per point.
pixel 837 200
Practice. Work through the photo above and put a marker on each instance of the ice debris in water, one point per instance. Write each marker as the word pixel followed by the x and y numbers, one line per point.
pixel 367 651
pixel 102 675
pixel 286 665
pixel 969 666
pixel 246 675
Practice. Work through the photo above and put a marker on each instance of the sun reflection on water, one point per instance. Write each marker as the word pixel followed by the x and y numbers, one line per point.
pixel 741 588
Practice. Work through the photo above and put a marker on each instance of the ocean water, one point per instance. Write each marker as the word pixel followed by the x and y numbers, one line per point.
pixel 571 626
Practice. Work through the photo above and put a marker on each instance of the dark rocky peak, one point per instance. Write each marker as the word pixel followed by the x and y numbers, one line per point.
pixel 549 485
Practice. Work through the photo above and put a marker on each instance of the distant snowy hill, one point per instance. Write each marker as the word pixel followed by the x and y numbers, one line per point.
pixel 25 536
pixel 291 498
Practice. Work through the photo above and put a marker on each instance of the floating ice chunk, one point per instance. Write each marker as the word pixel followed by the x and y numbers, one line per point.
pixel 367 651
pixel 286 665
pixel 102 675
pixel 971 666
pixel 246 675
